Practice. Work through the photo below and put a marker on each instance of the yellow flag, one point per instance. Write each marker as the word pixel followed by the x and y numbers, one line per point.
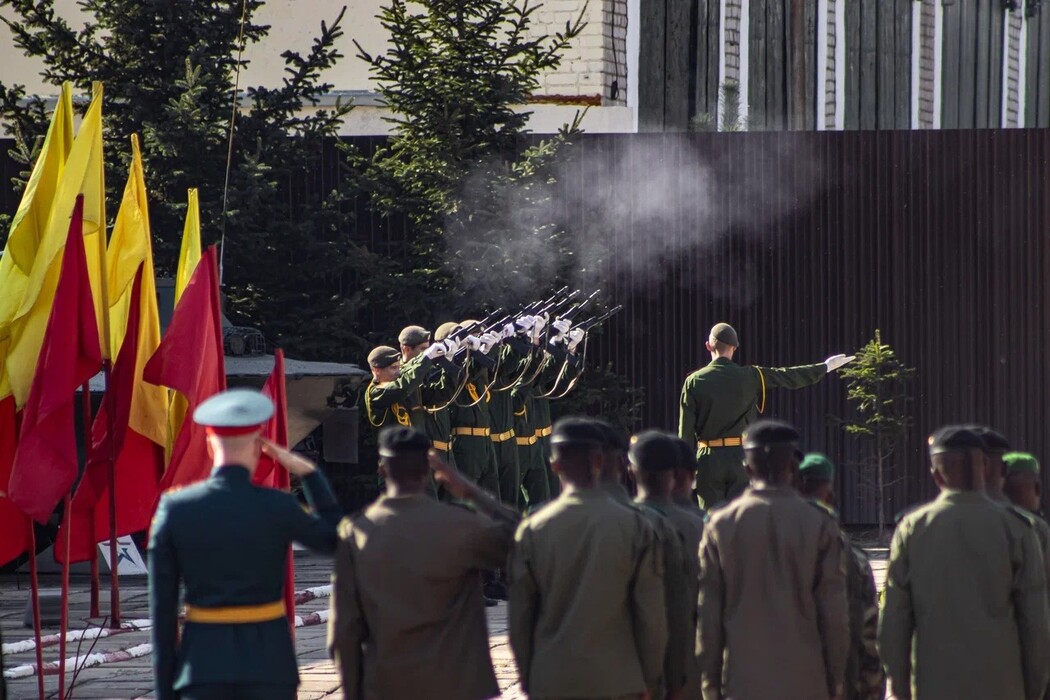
pixel 189 256
pixel 190 252
pixel 83 174
pixel 129 248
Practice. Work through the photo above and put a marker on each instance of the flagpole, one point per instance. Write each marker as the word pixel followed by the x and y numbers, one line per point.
pixel 63 627
pixel 85 404
pixel 114 580
pixel 34 586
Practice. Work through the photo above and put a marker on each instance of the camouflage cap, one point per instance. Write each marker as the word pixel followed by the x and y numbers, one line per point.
pixel 724 333
pixel 1017 462
pixel 383 356
pixel 817 466
pixel 413 336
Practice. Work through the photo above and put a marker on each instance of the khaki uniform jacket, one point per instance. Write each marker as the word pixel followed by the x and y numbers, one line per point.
pixel 966 602
pixel 772 599
pixel 587 616
pixel 407 614
pixel 689 521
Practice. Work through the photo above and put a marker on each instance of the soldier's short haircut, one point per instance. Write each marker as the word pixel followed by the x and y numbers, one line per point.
pixel 771 461
pixel 406 467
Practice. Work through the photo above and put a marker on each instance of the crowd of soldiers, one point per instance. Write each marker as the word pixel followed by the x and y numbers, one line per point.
pixel 621 585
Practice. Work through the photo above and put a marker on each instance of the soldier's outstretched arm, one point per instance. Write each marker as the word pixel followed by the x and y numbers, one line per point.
pixel 1033 623
pixel 649 607
pixel 897 622
pixel 833 608
pixel 710 630
pixel 163 602
pixel 792 377
pixel 346 624
pixel 523 602
pixel 411 378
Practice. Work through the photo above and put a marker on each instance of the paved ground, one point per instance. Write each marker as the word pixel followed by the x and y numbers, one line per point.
pixel 130 677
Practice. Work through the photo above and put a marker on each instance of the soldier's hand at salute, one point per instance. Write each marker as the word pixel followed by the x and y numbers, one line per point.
pixel 297 465
pixel 448 475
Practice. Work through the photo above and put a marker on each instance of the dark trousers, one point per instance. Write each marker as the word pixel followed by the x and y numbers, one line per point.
pixel 720 475
pixel 239 691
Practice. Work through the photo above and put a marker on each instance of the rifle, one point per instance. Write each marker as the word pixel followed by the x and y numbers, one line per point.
pixel 598 320
pixel 579 306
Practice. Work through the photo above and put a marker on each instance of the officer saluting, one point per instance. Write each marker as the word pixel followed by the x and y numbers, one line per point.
pixel 227 540
pixel 720 400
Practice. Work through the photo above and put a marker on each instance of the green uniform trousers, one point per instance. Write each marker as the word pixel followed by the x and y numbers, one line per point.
pixel 720 475
pixel 509 475
pixel 476 459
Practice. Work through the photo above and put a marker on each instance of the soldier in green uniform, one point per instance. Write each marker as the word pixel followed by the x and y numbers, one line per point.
pixel 587 616
pixel 399 609
pixel 228 541
pixel 392 397
pixel 720 400
pixel 434 391
pixel 510 366
pixel 653 456
pixel 1022 485
pixel 965 613
pixel 865 679
pixel 773 620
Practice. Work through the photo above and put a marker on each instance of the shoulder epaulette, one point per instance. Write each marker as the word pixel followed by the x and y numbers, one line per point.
pixel 1023 514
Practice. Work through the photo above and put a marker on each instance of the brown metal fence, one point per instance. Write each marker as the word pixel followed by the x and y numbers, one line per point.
pixel 939 238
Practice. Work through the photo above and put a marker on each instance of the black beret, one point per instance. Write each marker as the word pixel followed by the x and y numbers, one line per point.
pixel 577 431
pixel 725 333
pixel 413 336
pixel 686 454
pixel 765 433
pixel 954 437
pixel 654 451
pixel 993 440
pixel 612 437
pixel 399 440
pixel 383 356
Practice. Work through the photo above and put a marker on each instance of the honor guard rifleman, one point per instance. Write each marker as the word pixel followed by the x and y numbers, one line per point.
pixel 965 613
pixel 228 541
pixel 720 400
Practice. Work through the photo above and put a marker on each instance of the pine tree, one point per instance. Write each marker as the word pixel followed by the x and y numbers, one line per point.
pixel 170 70
pixel 877 384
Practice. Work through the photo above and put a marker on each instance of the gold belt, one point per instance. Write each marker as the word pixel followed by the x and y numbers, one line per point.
pixel 544 432
pixel 502 437
pixel 236 614
pixel 720 442
pixel 476 432
pixel 530 440
pixel 438 445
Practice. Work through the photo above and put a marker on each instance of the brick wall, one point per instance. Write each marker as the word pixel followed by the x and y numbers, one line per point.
pixel 596 58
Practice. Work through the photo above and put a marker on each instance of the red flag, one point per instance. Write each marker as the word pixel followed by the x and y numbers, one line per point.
pixel 268 473
pixel 190 360
pixel 46 458
pixel 139 460
pixel 13 522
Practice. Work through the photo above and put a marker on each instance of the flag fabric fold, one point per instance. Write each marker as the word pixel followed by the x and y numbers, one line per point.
pixel 189 256
pixel 190 361
pixel 45 463
pixel 13 522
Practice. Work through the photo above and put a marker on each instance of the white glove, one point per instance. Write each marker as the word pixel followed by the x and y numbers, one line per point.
pixel 489 341
pixel 538 322
pixel 836 361
pixel 525 322
pixel 472 342
pixel 576 336
pixel 451 346
pixel 435 351
pixel 509 331
pixel 562 325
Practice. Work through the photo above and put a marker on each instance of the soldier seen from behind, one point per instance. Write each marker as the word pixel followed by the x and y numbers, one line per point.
pixel 773 619
pixel 965 612
pixel 587 616
pixel 407 583
pixel 865 679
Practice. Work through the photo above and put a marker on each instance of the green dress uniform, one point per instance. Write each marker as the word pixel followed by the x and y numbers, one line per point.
pixel 587 611
pixel 472 433
pixel 532 462
pixel 504 434
pixel 228 540
pixel 680 592
pixel 718 402
pixel 407 615
pixel 399 401
pixel 560 368
pixel 773 620
pixel 437 391
pixel 965 613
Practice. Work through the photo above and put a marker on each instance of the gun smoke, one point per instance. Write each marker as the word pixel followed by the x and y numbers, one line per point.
pixel 629 213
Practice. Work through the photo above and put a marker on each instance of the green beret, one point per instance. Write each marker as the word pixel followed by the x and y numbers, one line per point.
pixel 653 451
pixel 952 438
pixel 765 433
pixel 725 333
pixel 817 466
pixel 413 336
pixel 1020 462
pixel 383 356
pixel 445 330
